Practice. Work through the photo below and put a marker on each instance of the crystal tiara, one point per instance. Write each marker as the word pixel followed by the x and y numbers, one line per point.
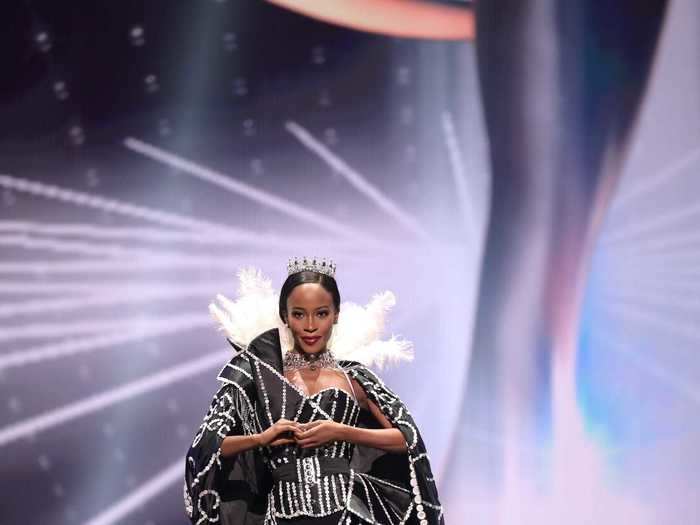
pixel 311 264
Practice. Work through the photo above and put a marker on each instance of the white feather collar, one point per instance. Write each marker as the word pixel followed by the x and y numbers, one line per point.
pixel 355 336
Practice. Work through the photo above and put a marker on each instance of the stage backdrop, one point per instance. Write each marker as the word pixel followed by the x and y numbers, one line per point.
pixel 149 151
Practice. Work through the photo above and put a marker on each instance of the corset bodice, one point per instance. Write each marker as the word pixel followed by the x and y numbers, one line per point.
pixel 314 481
pixel 334 404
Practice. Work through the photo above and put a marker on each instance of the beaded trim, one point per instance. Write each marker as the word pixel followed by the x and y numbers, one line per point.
pixel 383 399
pixel 287 382
pixel 312 264
pixel 324 495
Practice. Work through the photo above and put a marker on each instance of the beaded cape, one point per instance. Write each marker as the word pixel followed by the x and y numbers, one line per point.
pixel 261 486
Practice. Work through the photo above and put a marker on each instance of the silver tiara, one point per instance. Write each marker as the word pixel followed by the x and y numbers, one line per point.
pixel 311 264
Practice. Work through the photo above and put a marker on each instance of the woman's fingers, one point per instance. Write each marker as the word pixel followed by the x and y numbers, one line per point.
pixel 305 427
pixel 286 427
pixel 286 423
pixel 286 434
pixel 306 434
pixel 282 441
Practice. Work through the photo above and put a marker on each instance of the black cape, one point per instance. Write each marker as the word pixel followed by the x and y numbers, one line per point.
pixel 234 491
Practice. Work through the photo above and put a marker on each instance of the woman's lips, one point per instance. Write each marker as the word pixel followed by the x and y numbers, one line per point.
pixel 310 340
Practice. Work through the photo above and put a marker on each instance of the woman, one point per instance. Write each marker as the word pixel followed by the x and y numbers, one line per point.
pixel 294 436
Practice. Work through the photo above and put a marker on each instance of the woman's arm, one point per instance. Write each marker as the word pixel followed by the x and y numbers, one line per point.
pixel 232 445
pixel 271 436
pixel 389 439
pixel 319 432
pixel 386 438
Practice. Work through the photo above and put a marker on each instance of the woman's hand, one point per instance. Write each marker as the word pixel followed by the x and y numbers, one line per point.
pixel 280 433
pixel 317 433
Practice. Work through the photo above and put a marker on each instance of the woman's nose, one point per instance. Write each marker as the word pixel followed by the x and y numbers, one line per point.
pixel 310 327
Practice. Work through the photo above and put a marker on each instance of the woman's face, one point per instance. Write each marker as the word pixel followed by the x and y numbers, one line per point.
pixel 310 316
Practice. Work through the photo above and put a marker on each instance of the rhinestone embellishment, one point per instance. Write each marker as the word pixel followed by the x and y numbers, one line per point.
pixel 311 264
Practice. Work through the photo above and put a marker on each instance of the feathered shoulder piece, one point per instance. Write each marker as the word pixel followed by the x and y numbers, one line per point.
pixel 355 337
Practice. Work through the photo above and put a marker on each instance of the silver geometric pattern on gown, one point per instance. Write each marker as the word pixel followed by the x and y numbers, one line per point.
pixel 337 477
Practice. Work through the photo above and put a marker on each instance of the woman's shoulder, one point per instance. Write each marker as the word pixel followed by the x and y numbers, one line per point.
pixel 360 371
pixel 237 370
pixel 349 365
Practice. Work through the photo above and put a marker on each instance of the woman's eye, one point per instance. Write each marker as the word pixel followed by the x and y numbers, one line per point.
pixel 322 314
pixel 297 315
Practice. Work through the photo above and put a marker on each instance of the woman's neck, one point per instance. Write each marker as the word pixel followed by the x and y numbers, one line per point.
pixel 310 356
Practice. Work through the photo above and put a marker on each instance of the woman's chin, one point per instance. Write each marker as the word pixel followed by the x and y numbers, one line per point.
pixel 312 349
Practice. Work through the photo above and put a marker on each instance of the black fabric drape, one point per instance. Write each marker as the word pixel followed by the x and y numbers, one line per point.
pixel 235 490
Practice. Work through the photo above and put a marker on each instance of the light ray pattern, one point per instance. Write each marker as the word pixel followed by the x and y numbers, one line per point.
pixel 54 330
pixel 120 266
pixel 142 233
pixel 80 248
pixel 163 218
pixel 654 228
pixel 357 180
pixel 458 172
pixel 91 404
pixel 140 495
pixel 664 177
pixel 230 184
pixel 95 296
pixel 103 341
pixel 132 233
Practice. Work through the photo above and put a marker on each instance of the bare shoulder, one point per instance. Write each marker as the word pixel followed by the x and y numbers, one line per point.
pixel 359 389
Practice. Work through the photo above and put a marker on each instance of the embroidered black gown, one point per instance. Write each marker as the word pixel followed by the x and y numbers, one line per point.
pixel 335 483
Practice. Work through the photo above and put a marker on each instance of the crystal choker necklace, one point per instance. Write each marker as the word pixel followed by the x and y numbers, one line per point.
pixel 295 360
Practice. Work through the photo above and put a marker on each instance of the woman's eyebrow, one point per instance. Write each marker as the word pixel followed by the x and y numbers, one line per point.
pixel 303 309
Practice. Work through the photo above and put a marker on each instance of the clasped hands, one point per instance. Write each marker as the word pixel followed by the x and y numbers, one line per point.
pixel 304 435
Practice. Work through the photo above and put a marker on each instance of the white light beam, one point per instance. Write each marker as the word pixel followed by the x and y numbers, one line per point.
pixel 356 179
pixel 651 183
pixel 94 403
pixel 133 255
pixel 77 247
pixel 99 297
pixel 130 210
pixel 458 172
pixel 150 328
pixel 74 328
pixel 663 375
pixel 82 268
pixel 638 229
pixel 141 494
pixel 241 188
pixel 674 326
pixel 136 233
